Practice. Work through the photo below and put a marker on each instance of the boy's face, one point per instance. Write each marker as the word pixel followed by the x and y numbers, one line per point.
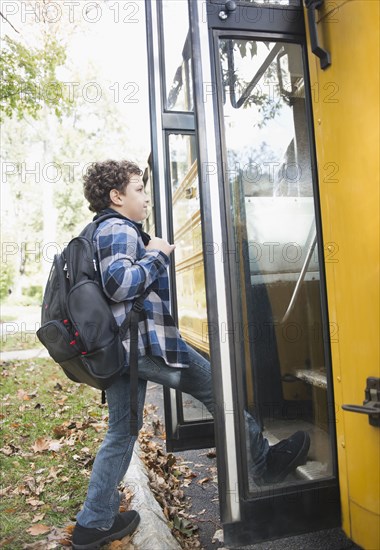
pixel 133 203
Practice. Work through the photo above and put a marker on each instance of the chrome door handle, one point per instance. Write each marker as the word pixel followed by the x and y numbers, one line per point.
pixel 371 405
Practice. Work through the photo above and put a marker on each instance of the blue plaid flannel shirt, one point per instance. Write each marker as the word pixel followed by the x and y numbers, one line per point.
pixel 127 269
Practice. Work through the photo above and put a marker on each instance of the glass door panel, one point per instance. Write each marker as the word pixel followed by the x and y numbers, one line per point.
pixel 189 268
pixel 278 295
pixel 177 48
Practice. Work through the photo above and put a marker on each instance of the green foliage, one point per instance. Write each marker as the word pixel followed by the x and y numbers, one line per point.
pixel 33 291
pixel 28 79
pixel 20 341
pixel 245 47
pixel 44 158
pixel 242 92
pixel 6 281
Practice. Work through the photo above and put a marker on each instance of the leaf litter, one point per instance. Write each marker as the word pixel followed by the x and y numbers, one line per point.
pixel 168 475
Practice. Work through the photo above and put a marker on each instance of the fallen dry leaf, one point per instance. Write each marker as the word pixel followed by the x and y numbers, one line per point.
pixel 65 542
pixel 38 517
pixel 54 472
pixel 218 536
pixel 54 446
pixel 58 535
pixel 22 395
pixel 9 450
pixel 35 502
pixel 99 427
pixel 62 400
pixel 123 544
pixel 39 529
pixel 41 444
pixel 4 491
pixel 203 480
pixel 60 431
pixel 115 545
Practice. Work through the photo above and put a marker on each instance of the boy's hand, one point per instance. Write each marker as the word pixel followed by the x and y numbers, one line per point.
pixel 156 243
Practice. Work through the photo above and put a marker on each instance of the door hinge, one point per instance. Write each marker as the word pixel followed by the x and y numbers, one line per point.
pixel 371 404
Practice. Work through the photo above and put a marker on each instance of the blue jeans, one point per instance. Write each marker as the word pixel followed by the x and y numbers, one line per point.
pixel 113 458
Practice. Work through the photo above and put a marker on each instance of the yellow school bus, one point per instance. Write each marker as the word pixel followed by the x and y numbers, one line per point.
pixel 265 173
pixel 347 143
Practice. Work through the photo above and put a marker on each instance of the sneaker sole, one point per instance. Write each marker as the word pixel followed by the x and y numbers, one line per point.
pixel 109 538
pixel 299 459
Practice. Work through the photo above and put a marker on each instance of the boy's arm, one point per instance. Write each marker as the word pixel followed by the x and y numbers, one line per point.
pixel 124 277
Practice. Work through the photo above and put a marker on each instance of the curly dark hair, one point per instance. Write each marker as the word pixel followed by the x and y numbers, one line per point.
pixel 101 177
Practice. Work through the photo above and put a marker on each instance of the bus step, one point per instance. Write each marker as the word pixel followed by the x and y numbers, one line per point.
pixel 315 377
pixel 312 470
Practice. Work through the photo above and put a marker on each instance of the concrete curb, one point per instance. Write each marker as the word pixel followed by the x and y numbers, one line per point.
pixel 153 531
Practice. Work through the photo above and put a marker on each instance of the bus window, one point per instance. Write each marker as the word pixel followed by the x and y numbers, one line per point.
pixel 269 188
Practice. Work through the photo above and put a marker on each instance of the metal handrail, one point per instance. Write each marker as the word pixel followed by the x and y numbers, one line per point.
pixel 300 279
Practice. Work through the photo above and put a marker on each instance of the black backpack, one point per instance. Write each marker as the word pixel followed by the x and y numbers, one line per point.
pixel 77 325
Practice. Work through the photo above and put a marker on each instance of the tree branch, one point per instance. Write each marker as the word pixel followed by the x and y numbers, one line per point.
pixel 7 20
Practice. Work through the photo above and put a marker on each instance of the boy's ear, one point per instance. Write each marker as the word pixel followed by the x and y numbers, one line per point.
pixel 115 197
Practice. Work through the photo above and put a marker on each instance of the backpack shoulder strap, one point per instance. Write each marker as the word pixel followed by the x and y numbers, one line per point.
pixel 91 227
pixel 89 231
pixel 135 314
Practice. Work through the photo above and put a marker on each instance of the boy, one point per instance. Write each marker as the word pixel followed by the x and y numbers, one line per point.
pixel 131 263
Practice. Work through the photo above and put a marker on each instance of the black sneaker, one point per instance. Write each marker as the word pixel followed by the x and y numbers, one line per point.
pixel 285 456
pixel 89 539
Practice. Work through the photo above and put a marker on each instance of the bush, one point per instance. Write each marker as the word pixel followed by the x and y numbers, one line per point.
pixel 33 291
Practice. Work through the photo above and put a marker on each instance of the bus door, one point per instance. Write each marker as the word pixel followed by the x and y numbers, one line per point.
pixel 256 94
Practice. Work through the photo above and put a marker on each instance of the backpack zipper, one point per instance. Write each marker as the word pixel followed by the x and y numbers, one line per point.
pixel 61 267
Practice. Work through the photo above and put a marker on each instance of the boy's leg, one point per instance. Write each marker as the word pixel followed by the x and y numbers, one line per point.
pixel 196 381
pixel 113 458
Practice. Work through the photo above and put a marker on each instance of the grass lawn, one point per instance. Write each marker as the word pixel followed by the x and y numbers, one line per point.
pixel 51 429
pixel 20 341
pixel 19 325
